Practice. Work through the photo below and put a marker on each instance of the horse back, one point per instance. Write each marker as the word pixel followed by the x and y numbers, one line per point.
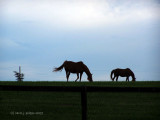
pixel 123 72
pixel 74 67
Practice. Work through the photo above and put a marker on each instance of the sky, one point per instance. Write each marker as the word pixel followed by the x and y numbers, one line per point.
pixel 39 35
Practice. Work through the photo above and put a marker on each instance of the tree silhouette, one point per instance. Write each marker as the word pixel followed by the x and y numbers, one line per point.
pixel 19 75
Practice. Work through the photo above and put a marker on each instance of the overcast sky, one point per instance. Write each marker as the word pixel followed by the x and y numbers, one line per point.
pixel 39 35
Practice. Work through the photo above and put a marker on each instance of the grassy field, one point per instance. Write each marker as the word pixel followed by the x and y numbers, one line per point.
pixel 21 105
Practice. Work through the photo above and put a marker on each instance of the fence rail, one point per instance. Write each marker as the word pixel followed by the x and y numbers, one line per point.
pixel 78 89
pixel 82 89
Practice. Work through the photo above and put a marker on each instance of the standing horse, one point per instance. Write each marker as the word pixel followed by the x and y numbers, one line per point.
pixel 123 73
pixel 74 67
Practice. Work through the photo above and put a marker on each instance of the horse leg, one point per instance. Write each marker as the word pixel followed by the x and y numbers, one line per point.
pixel 126 79
pixel 117 78
pixel 114 78
pixel 77 77
pixel 67 75
pixel 81 76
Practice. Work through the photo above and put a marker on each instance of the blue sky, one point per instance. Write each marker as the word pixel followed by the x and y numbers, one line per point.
pixel 39 35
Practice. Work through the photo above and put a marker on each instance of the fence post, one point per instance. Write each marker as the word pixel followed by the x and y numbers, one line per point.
pixel 84 102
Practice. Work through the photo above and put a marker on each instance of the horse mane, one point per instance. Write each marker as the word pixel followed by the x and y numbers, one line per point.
pixel 128 69
pixel 85 67
pixel 132 74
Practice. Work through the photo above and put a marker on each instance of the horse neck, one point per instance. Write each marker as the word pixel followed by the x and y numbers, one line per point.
pixel 132 74
pixel 86 70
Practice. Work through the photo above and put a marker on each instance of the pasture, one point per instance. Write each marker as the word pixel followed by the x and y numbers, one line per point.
pixel 22 105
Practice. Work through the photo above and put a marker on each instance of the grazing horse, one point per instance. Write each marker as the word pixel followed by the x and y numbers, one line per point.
pixel 74 67
pixel 123 73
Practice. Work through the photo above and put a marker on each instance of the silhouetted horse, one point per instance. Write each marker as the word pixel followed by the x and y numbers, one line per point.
pixel 123 73
pixel 74 67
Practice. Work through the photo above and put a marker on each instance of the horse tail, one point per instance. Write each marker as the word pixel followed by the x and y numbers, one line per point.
pixel 112 74
pixel 59 68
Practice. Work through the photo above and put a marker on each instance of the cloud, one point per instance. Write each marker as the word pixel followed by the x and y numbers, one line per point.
pixel 79 14
pixel 7 43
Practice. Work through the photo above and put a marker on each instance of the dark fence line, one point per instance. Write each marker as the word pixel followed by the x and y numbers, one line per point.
pixel 78 89
pixel 82 89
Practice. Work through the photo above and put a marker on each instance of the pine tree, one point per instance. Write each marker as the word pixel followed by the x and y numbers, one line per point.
pixel 19 75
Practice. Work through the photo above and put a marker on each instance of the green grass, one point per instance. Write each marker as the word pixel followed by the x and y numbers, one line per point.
pixel 123 106
pixel 67 105
pixel 51 105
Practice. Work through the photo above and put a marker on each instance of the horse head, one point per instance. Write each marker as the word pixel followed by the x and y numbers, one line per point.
pixel 133 79
pixel 90 78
